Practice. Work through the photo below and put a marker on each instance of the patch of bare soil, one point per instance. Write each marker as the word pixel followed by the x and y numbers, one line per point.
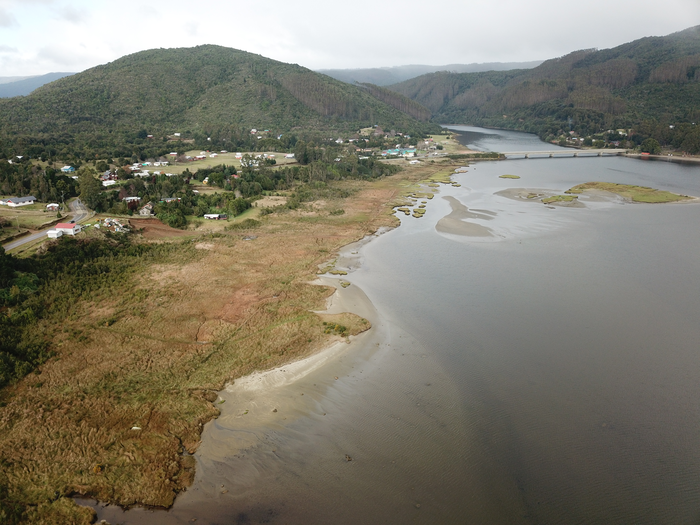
pixel 155 229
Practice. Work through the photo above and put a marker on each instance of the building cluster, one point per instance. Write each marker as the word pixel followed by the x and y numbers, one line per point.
pixel 112 225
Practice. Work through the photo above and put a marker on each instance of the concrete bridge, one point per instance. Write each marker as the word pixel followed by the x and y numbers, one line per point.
pixel 565 153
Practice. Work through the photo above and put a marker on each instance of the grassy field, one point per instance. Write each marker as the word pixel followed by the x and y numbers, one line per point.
pixel 634 193
pixel 139 360
pixel 448 142
pixel 223 158
pixel 30 217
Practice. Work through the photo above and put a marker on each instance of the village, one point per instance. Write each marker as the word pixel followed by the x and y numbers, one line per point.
pixel 24 216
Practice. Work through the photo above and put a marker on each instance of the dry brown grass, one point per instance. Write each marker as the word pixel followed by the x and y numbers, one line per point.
pixel 135 375
pixel 115 413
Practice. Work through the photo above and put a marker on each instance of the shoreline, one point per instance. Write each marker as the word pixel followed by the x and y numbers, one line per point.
pixel 267 391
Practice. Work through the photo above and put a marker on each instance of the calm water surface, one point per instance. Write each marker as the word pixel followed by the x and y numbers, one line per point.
pixel 549 374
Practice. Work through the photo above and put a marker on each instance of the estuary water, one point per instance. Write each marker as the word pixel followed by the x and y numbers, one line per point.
pixel 547 372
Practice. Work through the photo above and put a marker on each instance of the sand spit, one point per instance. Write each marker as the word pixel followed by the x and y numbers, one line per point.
pixel 456 223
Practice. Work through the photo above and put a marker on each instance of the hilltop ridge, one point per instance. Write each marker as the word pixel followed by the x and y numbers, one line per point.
pixel 208 90
pixel 651 79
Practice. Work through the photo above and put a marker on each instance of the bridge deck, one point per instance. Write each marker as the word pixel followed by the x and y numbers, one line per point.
pixel 567 153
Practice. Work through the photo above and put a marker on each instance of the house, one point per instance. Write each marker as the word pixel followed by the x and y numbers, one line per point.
pixel 147 209
pixel 68 228
pixel 67 169
pixel 52 207
pixel 14 202
pixel 131 199
pixel 215 216
pixel 54 234
pixel 289 156
pixel 109 182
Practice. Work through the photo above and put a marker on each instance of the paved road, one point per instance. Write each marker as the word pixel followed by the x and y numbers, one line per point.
pixel 79 212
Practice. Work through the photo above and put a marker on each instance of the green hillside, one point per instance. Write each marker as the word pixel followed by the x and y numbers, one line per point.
pixel 649 84
pixel 206 90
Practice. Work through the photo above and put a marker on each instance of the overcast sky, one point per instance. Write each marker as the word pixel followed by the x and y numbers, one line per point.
pixel 42 36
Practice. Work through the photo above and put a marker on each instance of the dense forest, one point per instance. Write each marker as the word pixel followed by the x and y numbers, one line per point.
pixel 650 86
pixel 136 105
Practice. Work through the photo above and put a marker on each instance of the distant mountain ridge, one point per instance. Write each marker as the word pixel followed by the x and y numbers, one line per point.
pixel 385 76
pixel 25 86
pixel 653 78
pixel 7 80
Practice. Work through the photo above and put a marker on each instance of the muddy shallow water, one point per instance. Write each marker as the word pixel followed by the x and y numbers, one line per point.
pixel 548 373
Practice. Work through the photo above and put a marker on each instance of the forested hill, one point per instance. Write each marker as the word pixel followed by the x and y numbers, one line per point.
pixel 207 90
pixel 655 81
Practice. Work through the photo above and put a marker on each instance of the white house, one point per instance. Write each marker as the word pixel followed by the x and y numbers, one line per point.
pixel 67 169
pixel 131 199
pixel 52 207
pixel 289 156
pixel 147 209
pixel 14 202
pixel 68 228
pixel 54 234
pixel 215 216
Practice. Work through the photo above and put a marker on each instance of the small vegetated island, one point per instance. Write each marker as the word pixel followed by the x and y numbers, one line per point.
pixel 633 193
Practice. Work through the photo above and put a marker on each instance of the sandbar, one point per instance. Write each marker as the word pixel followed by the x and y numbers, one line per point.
pixel 456 223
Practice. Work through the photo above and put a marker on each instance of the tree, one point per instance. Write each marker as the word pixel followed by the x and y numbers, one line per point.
pixel 651 146
pixel 90 188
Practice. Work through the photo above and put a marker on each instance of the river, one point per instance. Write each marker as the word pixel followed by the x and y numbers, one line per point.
pixel 547 372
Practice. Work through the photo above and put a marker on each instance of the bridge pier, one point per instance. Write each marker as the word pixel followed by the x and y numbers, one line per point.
pixel 527 156
pixel 551 155
pixel 600 153
pixel 576 154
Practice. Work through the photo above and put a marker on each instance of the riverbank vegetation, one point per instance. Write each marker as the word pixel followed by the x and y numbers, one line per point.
pixel 114 347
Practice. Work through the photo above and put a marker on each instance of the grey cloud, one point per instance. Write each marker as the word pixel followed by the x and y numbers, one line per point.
pixel 71 14
pixel 7 19
pixel 63 57
pixel 8 49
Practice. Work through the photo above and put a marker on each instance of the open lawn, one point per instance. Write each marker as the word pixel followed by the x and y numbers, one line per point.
pixel 222 158
pixel 30 217
pixel 448 142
